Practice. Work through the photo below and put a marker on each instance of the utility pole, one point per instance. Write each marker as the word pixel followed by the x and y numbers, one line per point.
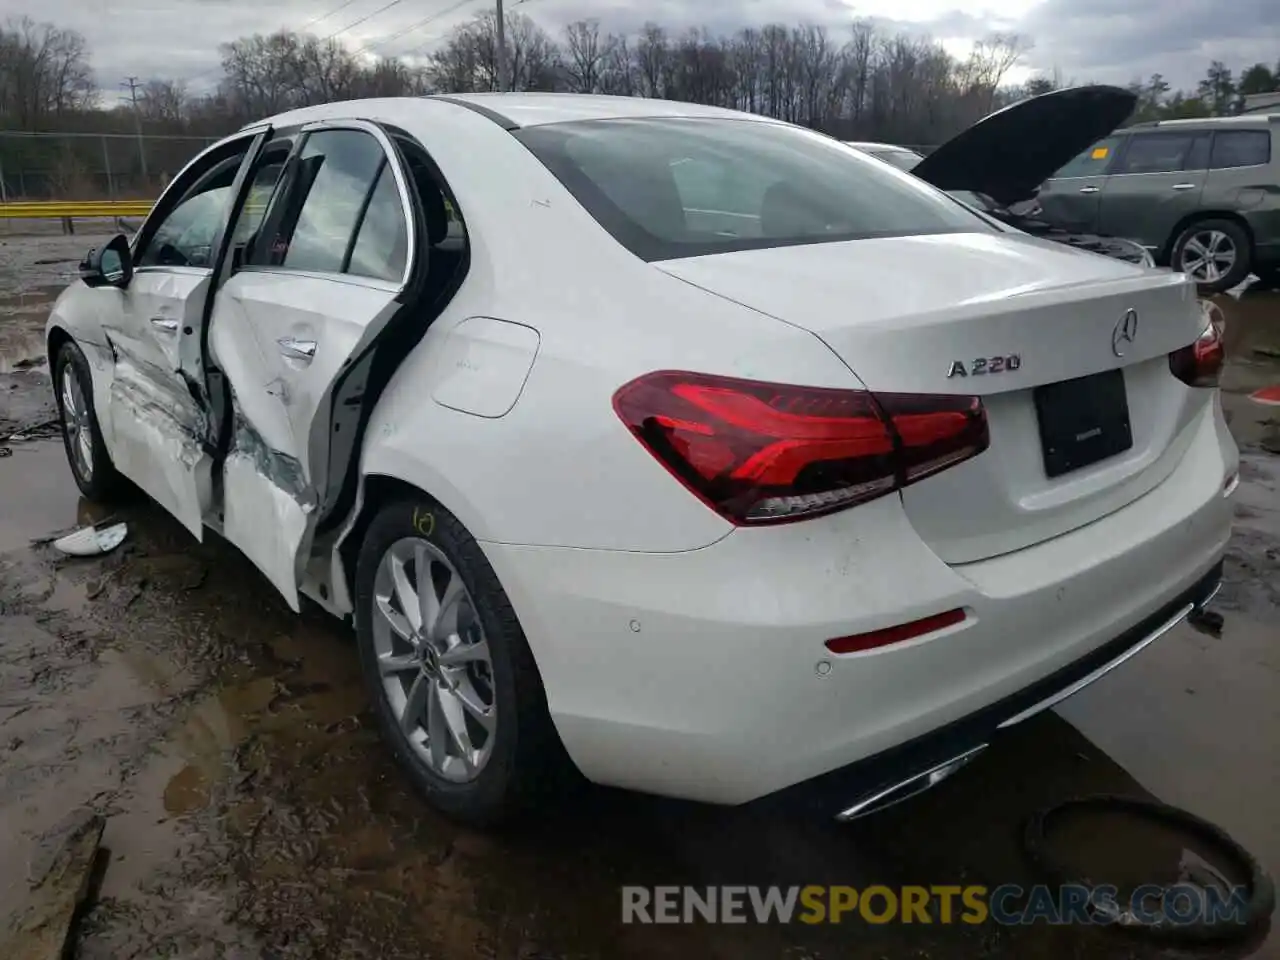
pixel 502 49
pixel 132 84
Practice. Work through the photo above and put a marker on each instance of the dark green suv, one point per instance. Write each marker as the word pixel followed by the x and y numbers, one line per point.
pixel 1202 195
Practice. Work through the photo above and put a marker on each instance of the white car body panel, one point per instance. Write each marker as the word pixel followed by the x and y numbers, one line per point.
pixel 281 403
pixel 151 414
pixel 714 693
pixel 483 365
pixel 659 628
pixel 990 295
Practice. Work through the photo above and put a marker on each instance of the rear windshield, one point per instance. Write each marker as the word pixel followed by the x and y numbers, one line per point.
pixel 670 188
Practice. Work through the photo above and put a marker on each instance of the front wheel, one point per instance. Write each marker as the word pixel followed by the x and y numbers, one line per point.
pixel 91 465
pixel 455 688
pixel 1216 254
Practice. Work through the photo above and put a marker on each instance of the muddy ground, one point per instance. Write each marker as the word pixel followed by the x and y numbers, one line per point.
pixel 251 811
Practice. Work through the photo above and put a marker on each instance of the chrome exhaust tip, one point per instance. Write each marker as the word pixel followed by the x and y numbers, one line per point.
pixel 910 787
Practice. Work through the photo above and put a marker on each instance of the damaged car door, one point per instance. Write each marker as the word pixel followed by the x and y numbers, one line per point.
pixel 305 295
pixel 156 422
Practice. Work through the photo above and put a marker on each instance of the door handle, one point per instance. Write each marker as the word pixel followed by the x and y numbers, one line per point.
pixel 1184 186
pixel 1088 189
pixel 167 324
pixel 297 349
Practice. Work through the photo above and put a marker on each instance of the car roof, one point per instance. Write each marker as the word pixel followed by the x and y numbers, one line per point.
pixel 535 109
pixel 515 110
pixel 1240 120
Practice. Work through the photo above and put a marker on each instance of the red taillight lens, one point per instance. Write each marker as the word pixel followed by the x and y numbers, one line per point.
pixel 1199 364
pixel 891 635
pixel 768 452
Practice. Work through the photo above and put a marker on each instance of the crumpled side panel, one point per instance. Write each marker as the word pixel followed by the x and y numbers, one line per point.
pixel 155 444
pixel 267 511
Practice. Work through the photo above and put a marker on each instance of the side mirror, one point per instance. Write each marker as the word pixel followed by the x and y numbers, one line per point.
pixel 110 265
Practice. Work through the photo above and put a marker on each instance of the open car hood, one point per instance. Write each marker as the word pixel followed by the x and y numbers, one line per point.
pixel 1008 154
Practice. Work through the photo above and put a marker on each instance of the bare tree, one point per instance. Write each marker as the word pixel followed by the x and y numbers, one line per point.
pixel 990 62
pixel 618 73
pixel 469 60
pixel 585 55
pixel 260 74
pixel 44 73
pixel 653 61
pixel 324 71
pixel 164 103
pixel 872 85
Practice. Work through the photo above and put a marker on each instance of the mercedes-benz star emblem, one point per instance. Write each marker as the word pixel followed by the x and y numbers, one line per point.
pixel 1126 331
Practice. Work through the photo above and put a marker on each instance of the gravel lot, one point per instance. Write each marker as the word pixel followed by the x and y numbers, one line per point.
pixel 250 810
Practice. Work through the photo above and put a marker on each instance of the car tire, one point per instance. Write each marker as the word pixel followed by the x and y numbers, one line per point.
pixel 91 465
pixel 519 762
pixel 1214 274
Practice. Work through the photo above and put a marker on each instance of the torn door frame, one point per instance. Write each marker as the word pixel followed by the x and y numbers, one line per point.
pixel 203 378
pixel 265 501
pixel 156 441
pixel 267 510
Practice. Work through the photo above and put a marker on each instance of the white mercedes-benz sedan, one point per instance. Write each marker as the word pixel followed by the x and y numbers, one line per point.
pixel 687 450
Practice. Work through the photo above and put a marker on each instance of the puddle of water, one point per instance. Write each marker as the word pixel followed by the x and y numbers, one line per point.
pixel 1214 707
pixel 187 791
pixel 22 320
pixel 1253 363
pixel 1083 842
pixel 41 496
pixel 231 744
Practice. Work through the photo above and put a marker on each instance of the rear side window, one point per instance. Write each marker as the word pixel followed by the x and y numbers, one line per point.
pixel 668 188
pixel 1241 148
pixel 1093 162
pixel 1156 153
pixel 337 168
pixel 383 242
pixel 1198 156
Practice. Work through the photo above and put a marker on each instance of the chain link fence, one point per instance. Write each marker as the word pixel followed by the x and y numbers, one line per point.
pixel 91 166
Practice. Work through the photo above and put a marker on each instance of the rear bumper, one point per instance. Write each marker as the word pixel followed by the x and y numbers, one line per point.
pixel 704 674
pixel 903 771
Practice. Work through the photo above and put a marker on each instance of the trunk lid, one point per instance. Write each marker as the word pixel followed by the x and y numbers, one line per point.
pixel 1008 154
pixel 904 312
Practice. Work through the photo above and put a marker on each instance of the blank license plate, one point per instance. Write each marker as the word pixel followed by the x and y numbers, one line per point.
pixel 1083 421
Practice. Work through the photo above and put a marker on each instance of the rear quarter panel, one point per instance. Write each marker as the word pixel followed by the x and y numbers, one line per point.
pixel 559 468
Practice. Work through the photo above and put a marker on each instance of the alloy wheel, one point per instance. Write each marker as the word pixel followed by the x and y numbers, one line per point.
pixel 75 418
pixel 1208 256
pixel 434 661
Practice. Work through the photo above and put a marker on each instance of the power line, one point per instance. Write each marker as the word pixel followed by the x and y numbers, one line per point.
pixel 314 20
pixel 510 3
pixel 412 27
pixel 325 16
pixel 368 16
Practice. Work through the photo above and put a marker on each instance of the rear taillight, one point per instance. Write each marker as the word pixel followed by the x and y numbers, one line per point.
pixel 1199 364
pixel 768 452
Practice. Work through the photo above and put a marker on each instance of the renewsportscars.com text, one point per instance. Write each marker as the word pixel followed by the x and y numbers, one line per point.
pixel 1008 904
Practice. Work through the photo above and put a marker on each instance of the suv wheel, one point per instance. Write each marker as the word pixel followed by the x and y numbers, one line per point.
pixel 1216 254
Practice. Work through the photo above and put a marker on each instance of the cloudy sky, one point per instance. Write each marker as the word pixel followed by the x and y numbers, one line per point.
pixel 1103 40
